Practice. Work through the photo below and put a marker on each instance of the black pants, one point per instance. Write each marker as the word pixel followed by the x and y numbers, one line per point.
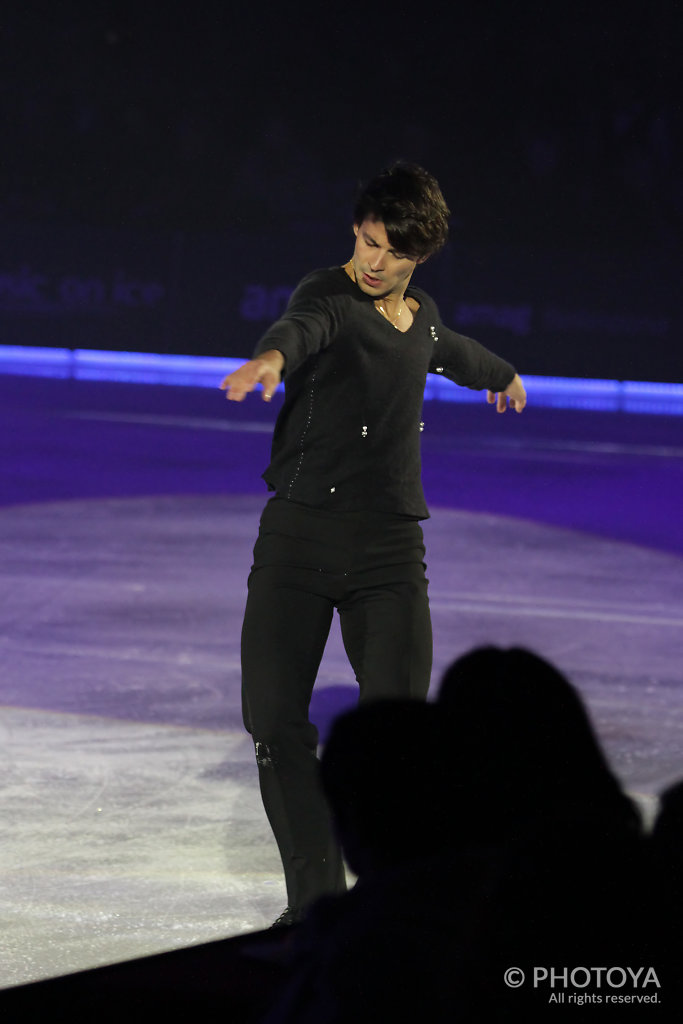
pixel 307 563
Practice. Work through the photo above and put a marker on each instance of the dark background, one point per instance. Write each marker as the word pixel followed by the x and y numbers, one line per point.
pixel 169 170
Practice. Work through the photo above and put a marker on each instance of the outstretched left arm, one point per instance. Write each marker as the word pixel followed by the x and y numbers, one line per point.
pixel 470 364
pixel 514 392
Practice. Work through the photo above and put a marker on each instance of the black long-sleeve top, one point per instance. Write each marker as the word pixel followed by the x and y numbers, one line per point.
pixel 348 435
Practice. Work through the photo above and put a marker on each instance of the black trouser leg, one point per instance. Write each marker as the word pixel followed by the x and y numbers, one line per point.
pixel 283 638
pixel 307 563
pixel 387 635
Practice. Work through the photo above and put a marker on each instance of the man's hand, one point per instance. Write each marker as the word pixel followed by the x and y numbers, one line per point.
pixel 514 391
pixel 266 371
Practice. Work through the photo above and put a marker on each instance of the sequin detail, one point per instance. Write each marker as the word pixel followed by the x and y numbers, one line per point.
pixel 303 436
pixel 265 755
pixel 435 338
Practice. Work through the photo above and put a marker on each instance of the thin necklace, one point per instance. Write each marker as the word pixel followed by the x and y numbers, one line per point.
pixel 349 268
pixel 394 323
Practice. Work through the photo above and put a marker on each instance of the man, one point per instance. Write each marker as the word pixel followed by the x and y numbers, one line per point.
pixel 354 346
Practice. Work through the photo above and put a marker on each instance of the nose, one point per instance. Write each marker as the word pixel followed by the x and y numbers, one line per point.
pixel 377 259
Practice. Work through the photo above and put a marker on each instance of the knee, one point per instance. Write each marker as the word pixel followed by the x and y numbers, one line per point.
pixel 277 740
pixel 266 728
pixel 267 754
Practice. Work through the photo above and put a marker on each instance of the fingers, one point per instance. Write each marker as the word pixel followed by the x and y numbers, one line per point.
pixel 517 393
pixel 519 402
pixel 269 383
pixel 235 388
pixel 238 384
pixel 233 395
pixel 499 398
pixel 514 394
pixel 266 370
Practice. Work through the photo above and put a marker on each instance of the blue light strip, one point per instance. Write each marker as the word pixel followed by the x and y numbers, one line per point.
pixel 205 371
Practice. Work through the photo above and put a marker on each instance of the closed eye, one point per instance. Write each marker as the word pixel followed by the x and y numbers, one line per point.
pixel 392 252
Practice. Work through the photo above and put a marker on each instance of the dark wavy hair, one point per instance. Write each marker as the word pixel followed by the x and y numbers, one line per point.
pixel 408 201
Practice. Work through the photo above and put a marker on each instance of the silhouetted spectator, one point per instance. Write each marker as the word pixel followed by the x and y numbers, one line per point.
pixel 518 850
pixel 535 786
pixel 667 832
pixel 385 950
pixel 525 754
pixel 666 848
pixel 380 774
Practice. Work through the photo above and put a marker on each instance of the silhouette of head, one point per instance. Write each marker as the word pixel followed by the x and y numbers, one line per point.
pixel 667 832
pixel 522 743
pixel 379 771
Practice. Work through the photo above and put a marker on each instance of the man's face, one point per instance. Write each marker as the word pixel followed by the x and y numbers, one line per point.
pixel 380 270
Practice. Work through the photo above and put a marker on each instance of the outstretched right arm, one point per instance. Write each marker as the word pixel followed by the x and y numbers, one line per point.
pixel 307 326
pixel 265 370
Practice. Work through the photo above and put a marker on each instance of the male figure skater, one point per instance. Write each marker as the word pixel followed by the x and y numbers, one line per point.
pixel 343 528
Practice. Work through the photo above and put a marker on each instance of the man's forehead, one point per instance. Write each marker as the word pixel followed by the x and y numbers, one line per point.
pixel 375 228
